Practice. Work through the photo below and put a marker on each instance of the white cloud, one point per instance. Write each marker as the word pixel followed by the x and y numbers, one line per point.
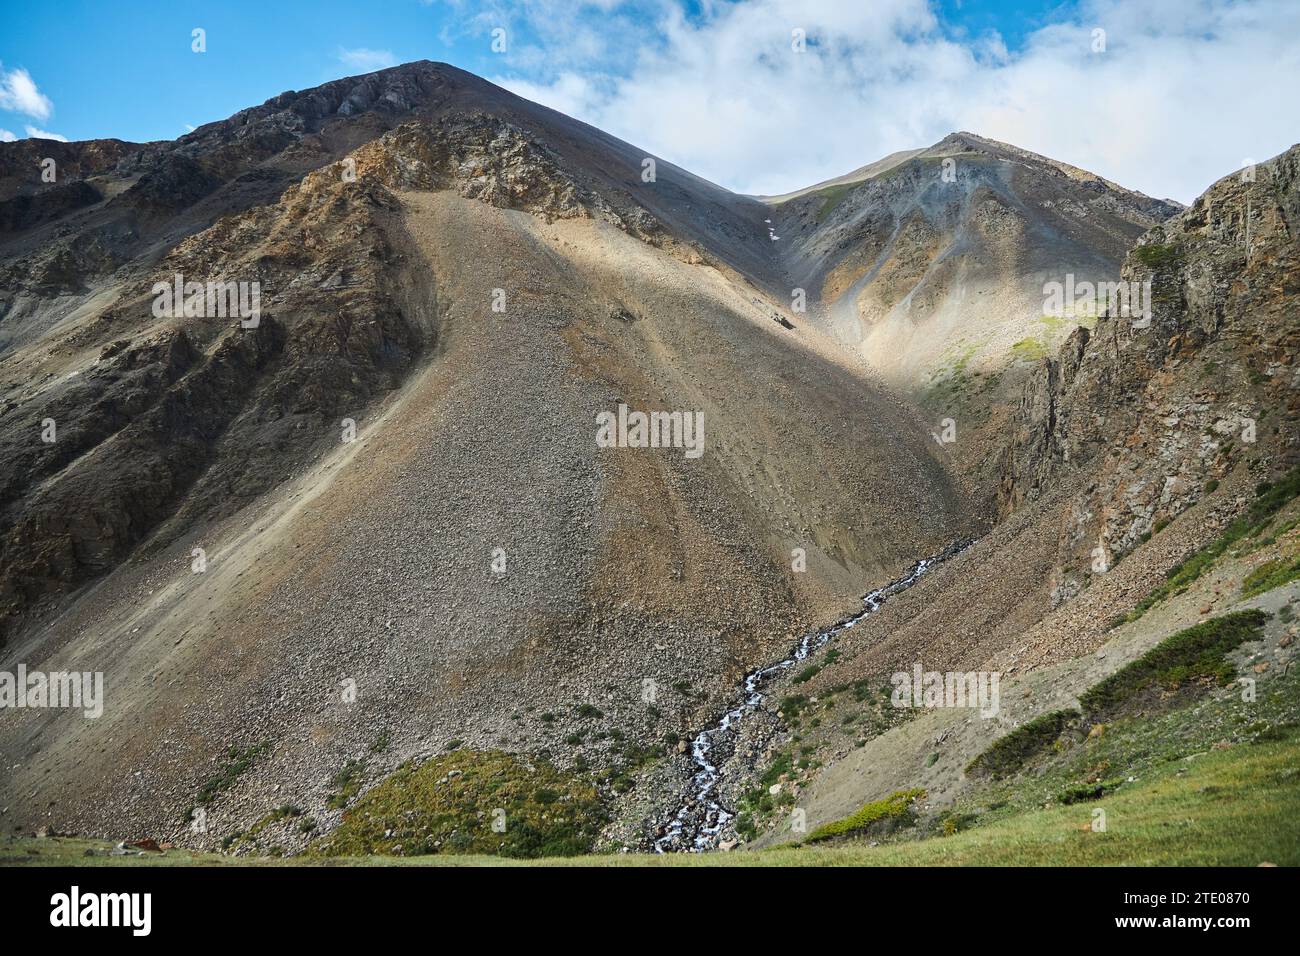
pixel 18 94
pixel 1182 94
pixel 545 36
pixel 6 136
pixel 35 133
pixel 570 94
pixel 367 61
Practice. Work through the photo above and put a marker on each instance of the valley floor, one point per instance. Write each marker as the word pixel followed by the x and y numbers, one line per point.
pixel 1187 812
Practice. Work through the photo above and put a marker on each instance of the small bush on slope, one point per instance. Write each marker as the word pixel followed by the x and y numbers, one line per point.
pixel 896 808
pixel 1158 256
pixel 1194 654
pixel 1272 575
pixel 1008 754
pixel 1079 792
pixel 238 760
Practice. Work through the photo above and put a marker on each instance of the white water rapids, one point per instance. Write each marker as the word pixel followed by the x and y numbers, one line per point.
pixel 701 817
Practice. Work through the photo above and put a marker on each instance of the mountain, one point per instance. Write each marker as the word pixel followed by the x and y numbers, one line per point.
pixel 932 263
pixel 1148 490
pixel 933 250
pixel 473 549
pixel 369 522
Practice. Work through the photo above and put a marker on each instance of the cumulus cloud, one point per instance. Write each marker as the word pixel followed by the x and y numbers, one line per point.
pixel 6 136
pixel 1169 96
pixel 19 94
pixel 365 60
pixel 35 133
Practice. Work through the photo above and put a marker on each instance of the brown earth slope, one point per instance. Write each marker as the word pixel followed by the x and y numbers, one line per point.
pixel 378 524
pixel 467 280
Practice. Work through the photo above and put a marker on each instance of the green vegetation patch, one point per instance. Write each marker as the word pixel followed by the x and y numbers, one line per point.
pixel 1008 754
pixel 1270 499
pixel 1060 326
pixel 472 802
pixel 1194 655
pixel 832 196
pixel 285 812
pixel 782 765
pixel 1080 792
pixel 346 783
pixel 1158 255
pixel 896 809
pixel 1030 349
pixel 1272 575
pixel 792 706
pixel 238 759
pixel 807 674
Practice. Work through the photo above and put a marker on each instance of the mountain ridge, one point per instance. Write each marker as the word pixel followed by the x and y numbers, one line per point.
pixel 389 487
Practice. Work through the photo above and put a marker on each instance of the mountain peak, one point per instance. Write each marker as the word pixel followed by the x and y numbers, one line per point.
pixel 974 143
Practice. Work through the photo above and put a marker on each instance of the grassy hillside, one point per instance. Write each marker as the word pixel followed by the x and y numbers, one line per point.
pixel 1184 813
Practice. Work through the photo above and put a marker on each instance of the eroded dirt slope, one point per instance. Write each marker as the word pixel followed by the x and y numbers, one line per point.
pixel 472 567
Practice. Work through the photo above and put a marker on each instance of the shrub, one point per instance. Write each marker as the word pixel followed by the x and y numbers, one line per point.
pixel 781 766
pixel 1088 791
pixel 1194 654
pixel 428 809
pixel 792 706
pixel 807 674
pixel 745 826
pixel 1272 575
pixel 895 809
pixel 346 783
pixel 1008 754
pixel 238 760
pixel 1157 255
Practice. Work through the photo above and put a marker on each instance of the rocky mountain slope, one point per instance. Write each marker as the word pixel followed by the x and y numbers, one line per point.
pixel 374 523
pixel 1133 477
pixel 932 263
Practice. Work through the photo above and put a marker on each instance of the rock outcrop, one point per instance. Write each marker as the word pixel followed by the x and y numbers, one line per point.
pixel 1149 412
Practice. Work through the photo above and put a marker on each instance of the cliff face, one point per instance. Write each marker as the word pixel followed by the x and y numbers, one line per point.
pixel 1148 414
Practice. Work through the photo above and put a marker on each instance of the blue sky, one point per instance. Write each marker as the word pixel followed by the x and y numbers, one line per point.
pixel 1182 91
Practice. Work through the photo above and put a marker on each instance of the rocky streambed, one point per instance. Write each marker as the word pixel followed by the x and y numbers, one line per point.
pixel 700 817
